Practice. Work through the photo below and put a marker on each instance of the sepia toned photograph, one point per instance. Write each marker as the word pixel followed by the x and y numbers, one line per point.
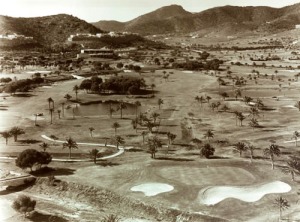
pixel 149 111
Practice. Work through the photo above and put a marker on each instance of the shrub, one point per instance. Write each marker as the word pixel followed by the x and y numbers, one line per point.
pixel 24 204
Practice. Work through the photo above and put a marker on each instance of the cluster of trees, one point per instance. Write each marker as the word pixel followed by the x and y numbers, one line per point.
pixel 91 84
pixel 23 85
pixel 123 84
pixel 5 80
pixel 196 65
pixel 13 132
pixel 31 157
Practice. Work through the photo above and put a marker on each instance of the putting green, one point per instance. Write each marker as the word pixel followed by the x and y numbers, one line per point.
pixel 208 175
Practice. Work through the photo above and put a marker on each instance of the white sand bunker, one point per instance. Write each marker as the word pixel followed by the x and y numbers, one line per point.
pixel 152 189
pixel 214 195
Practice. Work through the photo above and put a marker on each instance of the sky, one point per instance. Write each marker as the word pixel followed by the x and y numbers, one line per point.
pixel 120 10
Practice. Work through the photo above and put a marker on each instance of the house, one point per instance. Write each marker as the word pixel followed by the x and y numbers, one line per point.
pixel 97 53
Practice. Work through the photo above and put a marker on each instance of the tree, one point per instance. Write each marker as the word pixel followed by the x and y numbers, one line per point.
pixel 122 106
pixel 152 87
pixel 24 204
pixel 118 140
pixel 240 147
pixel 63 109
pixel 160 102
pixel 171 137
pixel 237 93
pixel 67 97
pixel 236 113
pixel 91 129
pixel 224 95
pixel 282 205
pixel 137 104
pixel 111 111
pixel 76 89
pixel 154 143
pixel 295 136
pixel 50 101
pixel 30 157
pixel 253 123
pixel 208 98
pixel 241 117
pixel 293 168
pixel 51 114
pixel 44 146
pixel 144 133
pixel 251 148
pixel 134 123
pixel 272 151
pixel 116 125
pixel 94 154
pixel 6 135
pixel 70 144
pixel 15 132
pixel 209 134
pixel 154 116
pixel 207 150
pixel 248 99
pixel 58 112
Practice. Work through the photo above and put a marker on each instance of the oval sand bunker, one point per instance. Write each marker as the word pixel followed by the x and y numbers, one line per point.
pixel 152 189
pixel 214 195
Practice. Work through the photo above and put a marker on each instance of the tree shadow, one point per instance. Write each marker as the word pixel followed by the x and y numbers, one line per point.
pixel 48 171
pixel 134 150
pixel 218 158
pixel 105 163
pixel 14 189
pixel 23 95
pixel 174 159
pixel 29 141
pixel 39 217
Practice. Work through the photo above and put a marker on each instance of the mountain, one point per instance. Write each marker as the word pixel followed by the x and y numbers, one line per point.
pixel 227 20
pixel 46 30
pixel 163 20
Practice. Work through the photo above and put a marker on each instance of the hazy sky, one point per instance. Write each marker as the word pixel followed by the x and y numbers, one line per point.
pixel 121 10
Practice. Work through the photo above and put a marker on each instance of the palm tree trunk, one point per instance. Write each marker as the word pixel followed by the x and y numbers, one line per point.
pixel 69 153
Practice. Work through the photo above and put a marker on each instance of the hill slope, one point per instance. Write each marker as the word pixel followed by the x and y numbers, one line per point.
pixel 222 20
pixel 46 30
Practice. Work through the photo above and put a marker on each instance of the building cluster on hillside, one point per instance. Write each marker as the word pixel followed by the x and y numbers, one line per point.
pixel 99 35
pixel 106 53
pixel 14 36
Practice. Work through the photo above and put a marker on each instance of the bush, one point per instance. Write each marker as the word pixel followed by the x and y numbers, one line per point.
pixel 24 204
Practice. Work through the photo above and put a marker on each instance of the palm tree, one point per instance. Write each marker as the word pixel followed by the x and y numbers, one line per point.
pixel 237 93
pixel 259 103
pixel 240 147
pixel 207 150
pixel 253 123
pixel 6 135
pixel 67 97
pixel 50 102
pixel 70 144
pixel 91 129
pixel 116 125
pixel 160 102
pixel 293 168
pixel 15 132
pixel 134 123
pixel 63 108
pixel 171 137
pixel 272 151
pixel 35 118
pixel 236 113
pixel 251 148
pixel 247 99
pixel 51 114
pixel 44 146
pixel 137 104
pixel 94 154
pixel 201 100
pixel 209 134
pixel 154 143
pixel 253 112
pixel 197 98
pixel 152 87
pixel 282 204
pixel 295 136
pixel 208 98
pixel 144 133
pixel 58 112
pixel 111 111
pixel 119 141
pixel 121 107
pixel 76 88
pixel 241 117
pixel 154 116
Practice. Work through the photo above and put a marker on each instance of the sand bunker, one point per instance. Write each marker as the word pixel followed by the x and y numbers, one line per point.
pixel 214 195
pixel 152 189
pixel 189 72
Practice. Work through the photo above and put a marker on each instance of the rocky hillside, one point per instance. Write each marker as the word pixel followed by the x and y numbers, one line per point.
pixel 223 20
pixel 46 30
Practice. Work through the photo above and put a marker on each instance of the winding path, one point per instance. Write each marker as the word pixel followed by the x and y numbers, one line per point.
pixel 121 150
